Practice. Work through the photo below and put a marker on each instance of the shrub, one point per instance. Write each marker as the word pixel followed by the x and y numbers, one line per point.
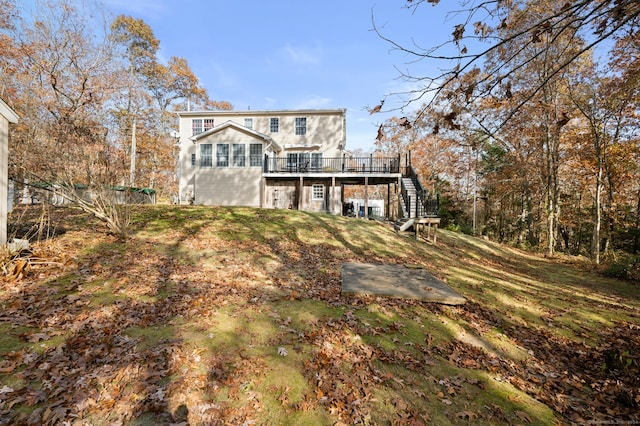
pixel 625 268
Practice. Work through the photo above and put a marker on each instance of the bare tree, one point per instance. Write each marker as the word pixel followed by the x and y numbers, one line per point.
pixel 488 28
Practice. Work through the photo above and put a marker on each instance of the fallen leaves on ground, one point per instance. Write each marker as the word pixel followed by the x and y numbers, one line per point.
pixel 77 357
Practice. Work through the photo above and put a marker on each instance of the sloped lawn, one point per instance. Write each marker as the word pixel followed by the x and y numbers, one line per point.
pixel 234 316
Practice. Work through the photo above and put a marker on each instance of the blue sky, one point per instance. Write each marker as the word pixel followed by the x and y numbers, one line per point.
pixel 285 54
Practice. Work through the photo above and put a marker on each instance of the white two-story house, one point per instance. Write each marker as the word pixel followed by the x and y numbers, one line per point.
pixel 293 159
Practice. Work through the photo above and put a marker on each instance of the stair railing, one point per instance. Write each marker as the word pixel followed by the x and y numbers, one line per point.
pixel 426 204
pixel 406 199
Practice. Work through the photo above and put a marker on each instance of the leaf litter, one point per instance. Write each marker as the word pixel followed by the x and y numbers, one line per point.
pixel 360 359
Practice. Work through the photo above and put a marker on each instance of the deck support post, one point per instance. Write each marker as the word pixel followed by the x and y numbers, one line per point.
pixel 301 195
pixel 333 203
pixel 366 197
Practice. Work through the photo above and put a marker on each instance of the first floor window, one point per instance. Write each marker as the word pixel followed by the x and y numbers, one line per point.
pixel 303 161
pixel 206 155
pixel 193 159
pixel 222 155
pixel 196 126
pixel 292 161
pixel 239 155
pixel 316 161
pixel 298 162
pixel 318 192
pixel 255 155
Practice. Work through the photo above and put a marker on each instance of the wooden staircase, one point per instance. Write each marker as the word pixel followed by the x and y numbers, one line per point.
pixel 410 190
pixel 417 206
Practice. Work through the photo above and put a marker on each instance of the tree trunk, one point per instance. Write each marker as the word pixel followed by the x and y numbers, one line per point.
pixel 552 142
pixel 597 220
pixel 132 168
pixel 636 240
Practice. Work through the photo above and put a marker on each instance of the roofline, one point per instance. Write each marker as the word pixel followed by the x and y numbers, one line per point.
pixel 9 113
pixel 270 112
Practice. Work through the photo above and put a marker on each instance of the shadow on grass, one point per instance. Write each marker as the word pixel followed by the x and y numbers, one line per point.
pixel 234 315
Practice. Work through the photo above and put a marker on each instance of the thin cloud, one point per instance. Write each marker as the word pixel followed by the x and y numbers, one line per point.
pixel 301 55
pixel 221 78
pixel 313 103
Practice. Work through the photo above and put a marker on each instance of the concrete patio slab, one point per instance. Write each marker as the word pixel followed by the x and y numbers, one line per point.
pixel 401 281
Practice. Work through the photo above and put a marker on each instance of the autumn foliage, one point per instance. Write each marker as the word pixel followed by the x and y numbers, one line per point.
pixel 530 134
pixel 96 103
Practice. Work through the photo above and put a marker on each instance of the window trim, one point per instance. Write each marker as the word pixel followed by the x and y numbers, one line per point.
pixel 220 157
pixel 203 158
pixel 196 126
pixel 255 160
pixel 316 189
pixel 316 161
pixel 300 126
pixel 274 123
pixel 239 159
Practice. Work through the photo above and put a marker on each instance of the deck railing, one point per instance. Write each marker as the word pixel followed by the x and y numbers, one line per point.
pixel 342 164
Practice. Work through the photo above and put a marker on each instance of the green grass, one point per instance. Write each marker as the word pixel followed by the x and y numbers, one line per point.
pixel 234 315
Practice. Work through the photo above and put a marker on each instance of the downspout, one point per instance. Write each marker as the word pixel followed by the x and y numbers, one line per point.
pixel 195 175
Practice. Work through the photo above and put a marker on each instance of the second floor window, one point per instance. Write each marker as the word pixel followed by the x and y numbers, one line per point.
pixel 301 126
pixel 196 126
pixel 206 155
pixel 222 155
pixel 208 124
pixel 248 123
pixel 274 125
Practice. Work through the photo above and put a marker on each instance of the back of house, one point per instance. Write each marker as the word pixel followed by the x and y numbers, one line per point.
pixel 224 155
